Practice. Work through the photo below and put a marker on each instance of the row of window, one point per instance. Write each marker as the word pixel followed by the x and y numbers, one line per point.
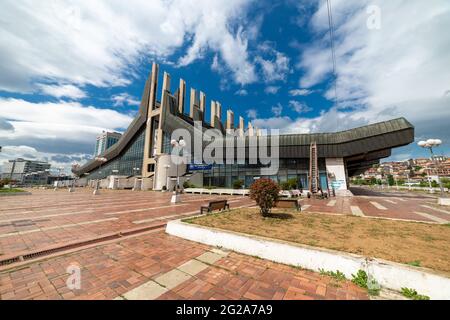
pixel 127 163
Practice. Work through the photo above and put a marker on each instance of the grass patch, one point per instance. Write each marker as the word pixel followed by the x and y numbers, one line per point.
pixel 338 275
pixel 412 294
pixel 8 190
pixel 415 263
pixel 398 241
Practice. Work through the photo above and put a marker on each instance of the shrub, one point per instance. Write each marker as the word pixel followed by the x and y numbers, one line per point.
pixel 291 184
pixel 188 184
pixel 237 184
pixel 4 182
pixel 265 193
pixel 361 279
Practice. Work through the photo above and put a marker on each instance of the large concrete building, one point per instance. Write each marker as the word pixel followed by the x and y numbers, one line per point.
pixel 320 160
pixel 26 171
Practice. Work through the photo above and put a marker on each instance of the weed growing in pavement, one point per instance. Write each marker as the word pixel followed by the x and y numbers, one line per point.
pixel 415 263
pixel 412 294
pixel 361 279
pixel 338 275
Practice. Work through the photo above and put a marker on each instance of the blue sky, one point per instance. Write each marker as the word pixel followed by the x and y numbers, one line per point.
pixel 71 69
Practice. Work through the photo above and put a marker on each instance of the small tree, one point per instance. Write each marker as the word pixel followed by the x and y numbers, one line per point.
pixel 237 184
pixel 265 193
pixel 391 180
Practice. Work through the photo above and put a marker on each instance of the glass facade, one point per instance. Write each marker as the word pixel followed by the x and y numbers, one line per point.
pixel 131 158
pixel 224 175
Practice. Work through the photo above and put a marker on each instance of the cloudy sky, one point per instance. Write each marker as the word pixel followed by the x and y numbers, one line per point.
pixel 70 69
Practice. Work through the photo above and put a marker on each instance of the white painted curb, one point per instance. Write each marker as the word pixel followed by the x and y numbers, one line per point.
pixel 388 274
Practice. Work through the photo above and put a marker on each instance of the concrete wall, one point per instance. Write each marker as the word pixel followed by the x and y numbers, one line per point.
pixel 336 167
pixel 162 174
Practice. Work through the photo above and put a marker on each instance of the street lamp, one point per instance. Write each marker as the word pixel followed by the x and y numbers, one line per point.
pixel 135 171
pixel 102 160
pixel 180 145
pixel 430 144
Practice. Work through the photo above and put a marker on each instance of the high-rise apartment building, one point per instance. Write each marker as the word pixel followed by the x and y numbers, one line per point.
pixel 105 141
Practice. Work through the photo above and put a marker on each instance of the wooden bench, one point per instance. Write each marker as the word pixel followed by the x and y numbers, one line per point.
pixel 288 204
pixel 215 205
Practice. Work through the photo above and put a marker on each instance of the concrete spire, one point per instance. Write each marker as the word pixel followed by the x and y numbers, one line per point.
pixel 153 88
pixel 202 101
pixel 192 102
pixel 181 96
pixel 251 130
pixel 230 119
pixel 241 126
pixel 213 114
pixel 219 111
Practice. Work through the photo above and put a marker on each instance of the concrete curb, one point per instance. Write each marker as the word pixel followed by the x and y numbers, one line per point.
pixel 388 274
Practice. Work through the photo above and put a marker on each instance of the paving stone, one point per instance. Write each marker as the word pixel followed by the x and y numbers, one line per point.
pixel 192 267
pixel 210 257
pixel 148 291
pixel 172 278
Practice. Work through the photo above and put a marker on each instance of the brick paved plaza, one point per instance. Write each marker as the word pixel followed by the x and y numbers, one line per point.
pixel 152 264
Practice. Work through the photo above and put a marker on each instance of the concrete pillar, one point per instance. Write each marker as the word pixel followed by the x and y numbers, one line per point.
pixel 153 87
pixel 213 114
pixel 219 111
pixel 151 106
pixel 337 171
pixel 202 102
pixel 164 103
pixel 192 102
pixel 181 96
pixel 241 126
pixel 251 131
pixel 230 120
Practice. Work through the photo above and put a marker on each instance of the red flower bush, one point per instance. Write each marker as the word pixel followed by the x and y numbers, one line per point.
pixel 265 193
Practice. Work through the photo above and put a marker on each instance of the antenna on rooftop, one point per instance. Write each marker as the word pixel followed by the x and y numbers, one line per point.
pixel 333 56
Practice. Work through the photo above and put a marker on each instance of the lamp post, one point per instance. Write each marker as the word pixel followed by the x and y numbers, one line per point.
pixel 102 160
pixel 180 144
pixel 430 144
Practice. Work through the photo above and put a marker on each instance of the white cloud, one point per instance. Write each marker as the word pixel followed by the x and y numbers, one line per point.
pixel 299 107
pixel 125 99
pixel 273 123
pixel 300 92
pixel 274 64
pixel 277 110
pixel 252 113
pixel 241 92
pixel 99 42
pixel 272 89
pixel 57 127
pixel 63 91
pixel 399 70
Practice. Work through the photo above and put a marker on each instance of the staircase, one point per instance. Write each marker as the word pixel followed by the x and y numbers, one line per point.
pixel 313 169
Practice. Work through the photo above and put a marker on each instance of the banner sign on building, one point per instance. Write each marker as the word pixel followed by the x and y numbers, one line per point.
pixel 199 167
